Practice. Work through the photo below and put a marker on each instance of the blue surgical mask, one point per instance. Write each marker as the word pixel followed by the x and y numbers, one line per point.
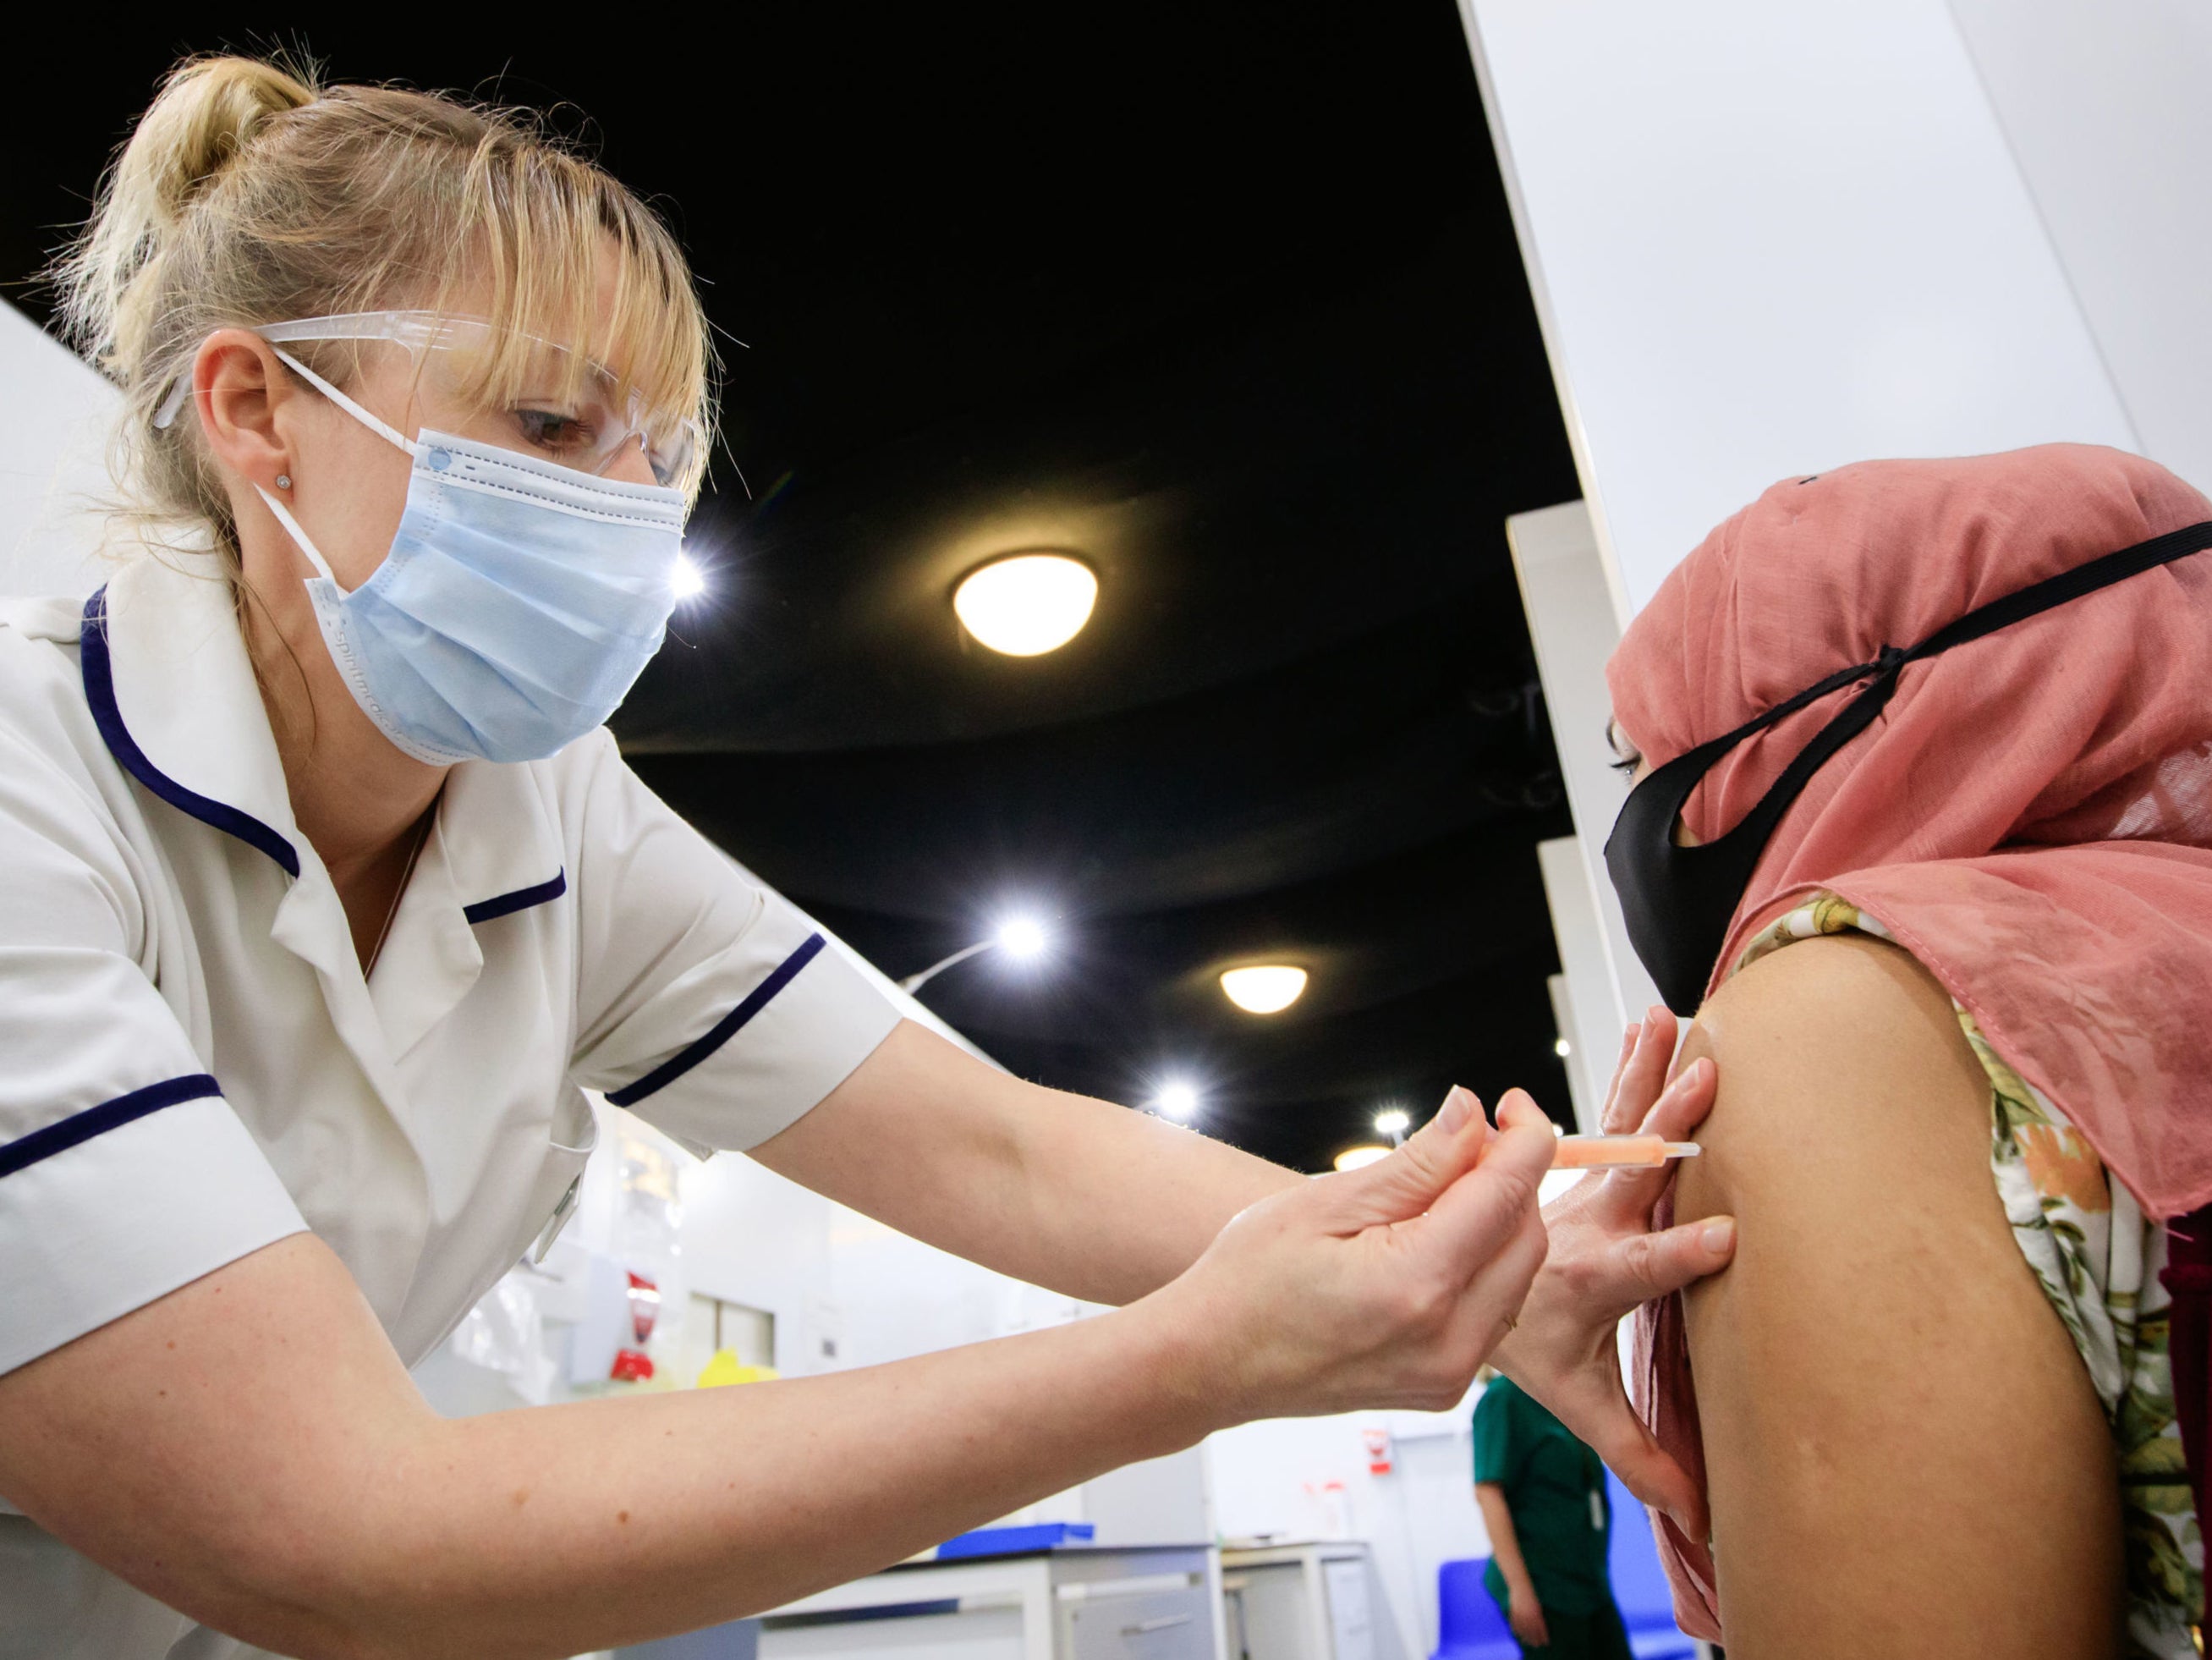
pixel 519 603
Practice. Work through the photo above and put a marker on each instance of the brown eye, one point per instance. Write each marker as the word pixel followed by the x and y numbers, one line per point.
pixel 549 429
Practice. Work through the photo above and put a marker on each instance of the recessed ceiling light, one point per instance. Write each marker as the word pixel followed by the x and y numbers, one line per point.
pixel 1353 1157
pixel 1027 604
pixel 1024 938
pixel 1266 989
pixel 687 580
pixel 1391 1121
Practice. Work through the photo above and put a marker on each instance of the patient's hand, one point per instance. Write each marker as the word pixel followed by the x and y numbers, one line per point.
pixel 1605 1260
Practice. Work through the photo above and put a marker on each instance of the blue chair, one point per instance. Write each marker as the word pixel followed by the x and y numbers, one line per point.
pixel 1469 1626
pixel 1639 1583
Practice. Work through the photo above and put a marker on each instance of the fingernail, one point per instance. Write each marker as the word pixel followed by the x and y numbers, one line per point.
pixel 1458 1107
pixel 1653 1015
pixel 1719 1234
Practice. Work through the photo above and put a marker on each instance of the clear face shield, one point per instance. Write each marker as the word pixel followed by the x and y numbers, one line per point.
pixel 569 411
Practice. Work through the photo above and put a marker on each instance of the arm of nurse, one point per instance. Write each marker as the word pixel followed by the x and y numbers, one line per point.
pixel 249 1450
pixel 1076 1194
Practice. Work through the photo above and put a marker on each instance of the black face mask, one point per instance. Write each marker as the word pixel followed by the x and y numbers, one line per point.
pixel 1678 902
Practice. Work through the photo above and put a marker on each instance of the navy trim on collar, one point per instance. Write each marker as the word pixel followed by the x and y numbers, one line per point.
pixel 521 899
pixel 725 1029
pixel 79 1127
pixel 100 694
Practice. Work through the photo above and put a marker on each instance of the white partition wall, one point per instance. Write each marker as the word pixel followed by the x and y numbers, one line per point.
pixel 1572 627
pixel 1765 240
pixel 2105 112
pixel 54 419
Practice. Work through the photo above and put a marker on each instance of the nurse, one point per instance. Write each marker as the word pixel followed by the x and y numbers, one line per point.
pixel 325 895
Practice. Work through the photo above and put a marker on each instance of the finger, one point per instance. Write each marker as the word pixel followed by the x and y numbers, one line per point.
pixel 1644 1074
pixel 1683 1104
pixel 1473 1218
pixel 1499 1291
pixel 1650 1472
pixel 1517 1108
pixel 1620 1065
pixel 1634 1270
pixel 1681 1107
pixel 1404 1185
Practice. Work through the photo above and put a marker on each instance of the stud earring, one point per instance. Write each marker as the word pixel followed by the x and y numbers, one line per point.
pixel 283 481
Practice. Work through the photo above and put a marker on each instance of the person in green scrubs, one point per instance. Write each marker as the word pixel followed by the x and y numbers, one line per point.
pixel 1543 1498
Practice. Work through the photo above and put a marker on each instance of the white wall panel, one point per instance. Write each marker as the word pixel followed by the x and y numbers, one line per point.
pixel 1767 240
pixel 2107 113
pixel 54 416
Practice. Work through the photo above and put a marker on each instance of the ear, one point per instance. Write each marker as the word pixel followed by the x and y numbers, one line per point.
pixel 240 389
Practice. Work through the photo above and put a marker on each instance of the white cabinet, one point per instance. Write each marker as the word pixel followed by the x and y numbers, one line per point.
pixel 1310 1602
pixel 1147 1602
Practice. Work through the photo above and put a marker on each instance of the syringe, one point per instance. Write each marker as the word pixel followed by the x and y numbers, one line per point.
pixel 1617 1152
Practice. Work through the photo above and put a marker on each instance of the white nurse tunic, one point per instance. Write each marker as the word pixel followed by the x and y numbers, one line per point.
pixel 191 1063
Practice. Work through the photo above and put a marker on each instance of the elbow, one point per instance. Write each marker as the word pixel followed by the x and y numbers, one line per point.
pixel 303 1595
pixel 339 1577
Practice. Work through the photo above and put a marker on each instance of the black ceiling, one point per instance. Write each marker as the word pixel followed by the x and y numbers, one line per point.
pixel 1225 298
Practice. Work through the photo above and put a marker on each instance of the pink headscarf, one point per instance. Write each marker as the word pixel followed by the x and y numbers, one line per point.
pixel 2030 815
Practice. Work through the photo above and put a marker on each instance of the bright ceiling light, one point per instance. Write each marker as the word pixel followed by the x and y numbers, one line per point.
pixel 1028 603
pixel 1266 989
pixel 1391 1121
pixel 687 580
pixel 1561 1047
pixel 1178 1100
pixel 1024 938
pixel 1354 1158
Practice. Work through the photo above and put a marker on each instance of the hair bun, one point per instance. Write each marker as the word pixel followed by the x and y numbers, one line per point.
pixel 208 112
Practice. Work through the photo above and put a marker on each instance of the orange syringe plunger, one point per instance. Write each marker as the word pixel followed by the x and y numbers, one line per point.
pixel 1617 1152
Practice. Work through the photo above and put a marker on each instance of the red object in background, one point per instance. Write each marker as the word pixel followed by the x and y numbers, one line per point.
pixel 1378 1451
pixel 644 1308
pixel 632 1366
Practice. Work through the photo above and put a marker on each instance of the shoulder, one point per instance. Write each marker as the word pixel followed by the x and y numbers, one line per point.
pixel 1828 1051
pixel 42 700
pixel 55 619
pixel 587 770
pixel 1830 996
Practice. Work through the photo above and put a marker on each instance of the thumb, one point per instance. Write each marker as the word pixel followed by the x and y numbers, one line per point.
pixel 1648 1265
pixel 1408 1183
pixel 1651 1473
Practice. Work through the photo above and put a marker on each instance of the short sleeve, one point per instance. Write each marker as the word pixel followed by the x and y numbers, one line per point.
pixel 124 1175
pixel 712 1007
pixel 1494 1459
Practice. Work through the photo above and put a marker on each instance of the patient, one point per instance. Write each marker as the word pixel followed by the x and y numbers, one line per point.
pixel 1961 1011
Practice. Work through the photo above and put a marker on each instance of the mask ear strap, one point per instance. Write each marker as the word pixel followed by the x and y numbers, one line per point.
pixel 300 536
pixel 374 424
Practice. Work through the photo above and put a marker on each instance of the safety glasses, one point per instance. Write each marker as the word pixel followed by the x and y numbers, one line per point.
pixel 568 410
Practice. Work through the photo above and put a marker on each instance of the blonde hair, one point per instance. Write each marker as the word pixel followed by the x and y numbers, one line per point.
pixel 249 194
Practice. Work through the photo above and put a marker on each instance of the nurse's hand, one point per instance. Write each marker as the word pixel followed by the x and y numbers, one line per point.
pixel 1605 1259
pixel 1383 1287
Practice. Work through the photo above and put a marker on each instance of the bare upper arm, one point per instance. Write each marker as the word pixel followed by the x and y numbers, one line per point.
pixel 214 1446
pixel 1828 1044
pixel 1883 1387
